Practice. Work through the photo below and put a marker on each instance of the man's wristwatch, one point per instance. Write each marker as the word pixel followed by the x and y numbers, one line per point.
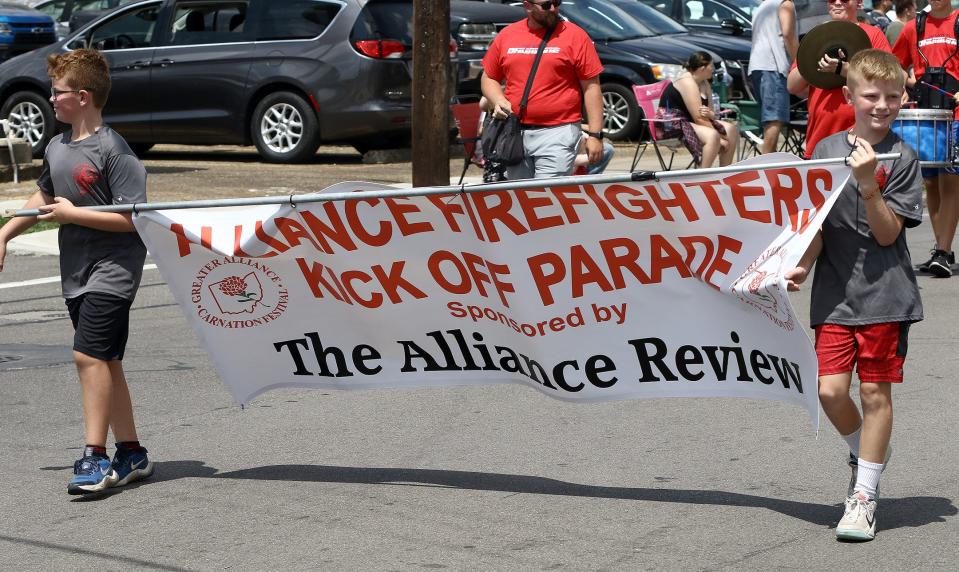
pixel 596 134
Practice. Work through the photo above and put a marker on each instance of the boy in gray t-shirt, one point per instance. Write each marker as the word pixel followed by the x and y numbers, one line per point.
pixel 864 295
pixel 101 260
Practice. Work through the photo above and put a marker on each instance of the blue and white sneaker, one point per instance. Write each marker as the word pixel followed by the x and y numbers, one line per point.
pixel 93 474
pixel 131 465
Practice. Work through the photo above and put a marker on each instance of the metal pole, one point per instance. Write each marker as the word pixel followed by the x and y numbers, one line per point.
pixel 5 124
pixel 295 200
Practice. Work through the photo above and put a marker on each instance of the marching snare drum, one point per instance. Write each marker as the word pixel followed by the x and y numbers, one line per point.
pixel 929 133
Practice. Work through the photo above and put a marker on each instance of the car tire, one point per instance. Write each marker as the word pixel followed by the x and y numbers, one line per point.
pixel 31 118
pixel 284 128
pixel 621 113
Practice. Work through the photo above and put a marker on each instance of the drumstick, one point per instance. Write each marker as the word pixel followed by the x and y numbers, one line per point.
pixel 940 90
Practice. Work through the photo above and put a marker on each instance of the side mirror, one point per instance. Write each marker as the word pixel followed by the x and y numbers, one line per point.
pixel 734 27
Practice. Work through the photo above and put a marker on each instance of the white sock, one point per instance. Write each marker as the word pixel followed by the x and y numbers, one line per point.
pixel 853 441
pixel 867 479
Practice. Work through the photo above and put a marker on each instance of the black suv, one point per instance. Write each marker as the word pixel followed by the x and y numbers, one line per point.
pixel 284 75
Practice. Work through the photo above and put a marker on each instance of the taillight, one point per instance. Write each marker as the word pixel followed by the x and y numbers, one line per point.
pixel 381 49
pixel 453 50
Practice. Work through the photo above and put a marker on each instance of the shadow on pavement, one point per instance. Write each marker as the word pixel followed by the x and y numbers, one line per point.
pixel 201 154
pixel 896 513
pixel 136 563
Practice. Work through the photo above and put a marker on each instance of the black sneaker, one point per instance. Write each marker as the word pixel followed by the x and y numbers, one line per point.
pixel 924 267
pixel 941 266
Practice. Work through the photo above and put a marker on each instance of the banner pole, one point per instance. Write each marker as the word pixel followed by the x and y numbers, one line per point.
pixel 294 200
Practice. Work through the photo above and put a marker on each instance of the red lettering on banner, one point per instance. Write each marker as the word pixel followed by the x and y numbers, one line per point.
pixel 712 195
pixel 183 242
pixel 334 230
pixel 391 282
pixel 469 274
pixel 679 199
pixel 293 232
pixel 400 207
pixel 529 202
pixel 585 271
pixel 268 240
pixel 815 178
pixel 568 198
pixel 663 256
pixel 643 209
pixel 628 260
pixel 489 213
pixel 800 221
pixel 740 191
pixel 725 244
pixel 238 241
pixel 374 301
pixel 370 238
pixel 313 273
pixel 604 209
pixel 785 193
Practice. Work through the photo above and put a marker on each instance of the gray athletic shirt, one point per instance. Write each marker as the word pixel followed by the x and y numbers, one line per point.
pixel 98 170
pixel 857 281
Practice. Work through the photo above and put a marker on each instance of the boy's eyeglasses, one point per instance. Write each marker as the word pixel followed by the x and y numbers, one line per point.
pixel 547 4
pixel 838 1
pixel 55 93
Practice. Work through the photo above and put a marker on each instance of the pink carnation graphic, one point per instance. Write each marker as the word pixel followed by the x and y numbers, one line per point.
pixel 236 295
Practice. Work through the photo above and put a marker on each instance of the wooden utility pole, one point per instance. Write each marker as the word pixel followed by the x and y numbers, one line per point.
pixel 431 79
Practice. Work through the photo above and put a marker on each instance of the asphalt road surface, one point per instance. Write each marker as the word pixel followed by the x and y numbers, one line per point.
pixel 490 478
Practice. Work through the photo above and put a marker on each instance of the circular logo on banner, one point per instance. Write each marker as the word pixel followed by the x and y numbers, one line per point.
pixel 235 293
pixel 757 288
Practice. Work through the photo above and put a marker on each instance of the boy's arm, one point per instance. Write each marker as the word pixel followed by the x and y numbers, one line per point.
pixel 883 222
pixel 17 225
pixel 65 212
pixel 798 275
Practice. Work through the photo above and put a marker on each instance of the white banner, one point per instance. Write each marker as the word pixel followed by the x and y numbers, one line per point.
pixel 587 293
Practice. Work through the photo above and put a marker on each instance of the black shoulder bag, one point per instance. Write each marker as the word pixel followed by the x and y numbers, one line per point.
pixel 502 139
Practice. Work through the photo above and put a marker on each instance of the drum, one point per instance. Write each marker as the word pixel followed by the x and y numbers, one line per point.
pixel 929 133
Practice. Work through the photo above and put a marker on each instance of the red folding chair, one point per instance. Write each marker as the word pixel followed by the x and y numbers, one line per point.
pixel 467 117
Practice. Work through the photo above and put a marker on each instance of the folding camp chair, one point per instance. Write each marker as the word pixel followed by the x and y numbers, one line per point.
pixel 467 116
pixel 647 97
pixel 750 127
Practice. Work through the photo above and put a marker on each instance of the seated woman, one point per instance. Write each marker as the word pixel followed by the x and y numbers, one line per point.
pixel 687 101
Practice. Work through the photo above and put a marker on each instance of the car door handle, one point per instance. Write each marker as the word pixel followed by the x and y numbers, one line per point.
pixel 164 63
pixel 137 65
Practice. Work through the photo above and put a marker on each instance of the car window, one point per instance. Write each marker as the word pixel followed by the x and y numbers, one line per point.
pixel 134 29
pixel 54 8
pixel 385 21
pixel 209 22
pixel 650 18
pixel 709 12
pixel 296 19
pixel 664 6
pixel 604 21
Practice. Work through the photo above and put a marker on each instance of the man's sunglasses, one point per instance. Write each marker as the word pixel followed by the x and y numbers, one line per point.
pixel 547 4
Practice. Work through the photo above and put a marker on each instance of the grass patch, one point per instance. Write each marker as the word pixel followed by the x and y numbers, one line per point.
pixel 41 225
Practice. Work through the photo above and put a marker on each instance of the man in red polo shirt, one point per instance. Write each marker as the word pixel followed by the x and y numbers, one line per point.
pixel 566 79
pixel 934 60
pixel 829 112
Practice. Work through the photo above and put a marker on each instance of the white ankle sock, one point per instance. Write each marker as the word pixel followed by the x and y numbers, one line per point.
pixel 867 479
pixel 853 441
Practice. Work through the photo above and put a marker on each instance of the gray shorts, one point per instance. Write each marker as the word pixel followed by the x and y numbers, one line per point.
pixel 550 152
pixel 769 87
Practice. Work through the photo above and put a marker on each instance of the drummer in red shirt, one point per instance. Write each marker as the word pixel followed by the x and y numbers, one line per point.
pixel 934 60
pixel 829 112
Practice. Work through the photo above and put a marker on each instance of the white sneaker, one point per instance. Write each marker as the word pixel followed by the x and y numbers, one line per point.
pixel 854 465
pixel 859 520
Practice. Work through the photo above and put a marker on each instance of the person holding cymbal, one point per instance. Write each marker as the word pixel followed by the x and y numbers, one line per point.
pixel 829 112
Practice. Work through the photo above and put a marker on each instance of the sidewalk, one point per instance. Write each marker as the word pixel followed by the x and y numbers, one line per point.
pixel 44 242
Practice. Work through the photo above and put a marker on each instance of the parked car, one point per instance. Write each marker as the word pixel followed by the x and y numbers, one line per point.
pixel 631 53
pixel 70 15
pixel 283 75
pixel 733 51
pixel 23 29
pixel 719 16
pixel 473 26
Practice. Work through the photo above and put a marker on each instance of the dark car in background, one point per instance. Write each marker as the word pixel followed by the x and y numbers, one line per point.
pixel 473 26
pixel 631 54
pixel 71 15
pixel 734 51
pixel 718 16
pixel 23 29
pixel 283 75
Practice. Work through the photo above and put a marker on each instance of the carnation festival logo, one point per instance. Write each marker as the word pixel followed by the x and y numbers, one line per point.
pixel 758 288
pixel 234 292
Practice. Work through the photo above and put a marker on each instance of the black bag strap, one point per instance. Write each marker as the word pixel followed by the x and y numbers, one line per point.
pixel 532 72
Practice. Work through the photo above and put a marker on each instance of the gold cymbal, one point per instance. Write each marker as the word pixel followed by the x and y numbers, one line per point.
pixel 833 39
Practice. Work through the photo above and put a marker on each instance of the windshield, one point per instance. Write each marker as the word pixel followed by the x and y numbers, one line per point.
pixel 603 20
pixel 747 6
pixel 657 23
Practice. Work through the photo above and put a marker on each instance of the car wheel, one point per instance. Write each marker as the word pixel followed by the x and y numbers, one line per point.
pixel 31 118
pixel 620 112
pixel 284 128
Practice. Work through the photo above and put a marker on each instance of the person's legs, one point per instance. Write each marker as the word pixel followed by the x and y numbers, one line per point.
pixel 876 401
pixel 96 388
pixel 121 406
pixel 552 150
pixel 774 108
pixel 945 225
pixel 711 144
pixel 771 131
pixel 729 144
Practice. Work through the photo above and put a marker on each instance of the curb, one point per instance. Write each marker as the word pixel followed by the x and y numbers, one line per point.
pixel 43 243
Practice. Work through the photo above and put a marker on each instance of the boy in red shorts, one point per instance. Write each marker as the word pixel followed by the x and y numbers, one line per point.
pixel 864 294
